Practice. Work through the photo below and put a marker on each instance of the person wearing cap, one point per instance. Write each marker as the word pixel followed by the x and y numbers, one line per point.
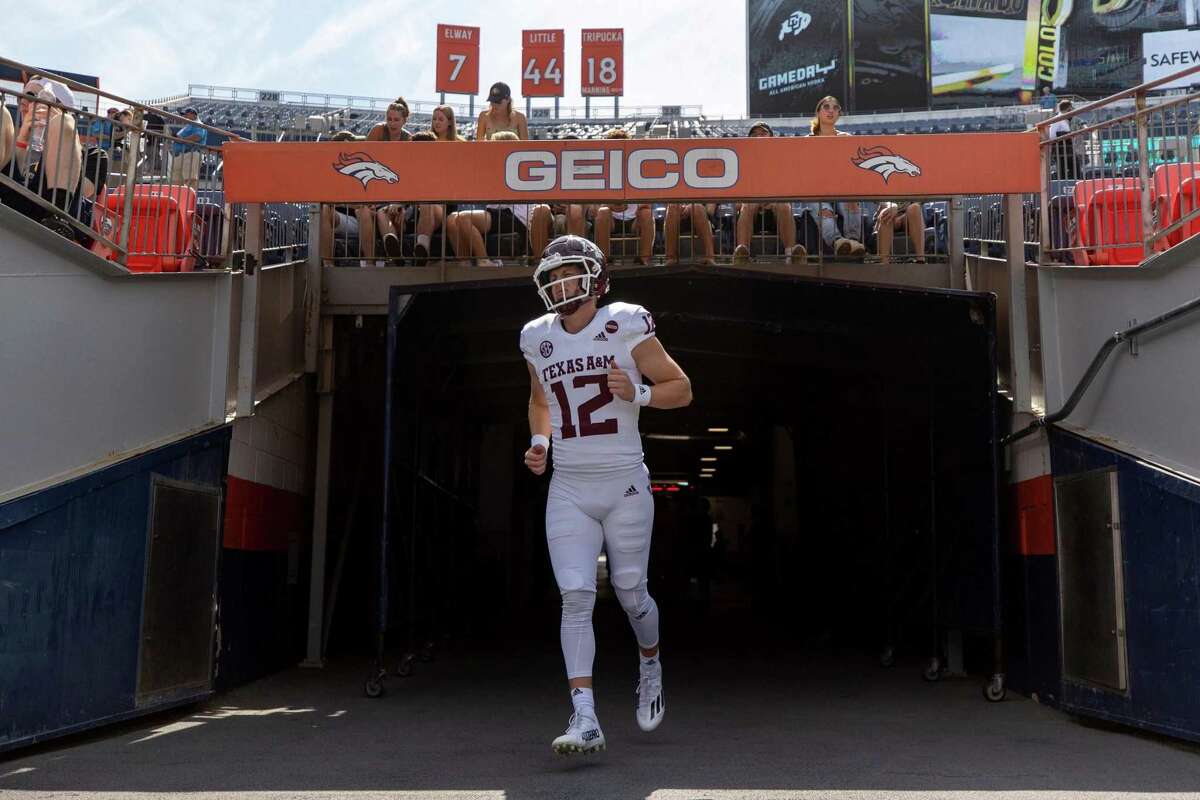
pixel 58 90
pixel 785 224
pixel 55 174
pixel 500 115
pixel 187 149
pixel 1063 156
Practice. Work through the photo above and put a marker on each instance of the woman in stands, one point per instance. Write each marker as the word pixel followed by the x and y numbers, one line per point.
pixel 55 175
pixel 785 223
pixel 849 240
pixel 430 216
pixel 500 116
pixel 390 219
pixel 907 214
pixel 392 128
pixel 631 220
pixel 467 230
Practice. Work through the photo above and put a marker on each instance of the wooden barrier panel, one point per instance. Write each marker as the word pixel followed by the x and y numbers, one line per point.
pixel 864 167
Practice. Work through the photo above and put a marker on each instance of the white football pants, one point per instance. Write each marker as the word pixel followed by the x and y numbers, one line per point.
pixel 583 515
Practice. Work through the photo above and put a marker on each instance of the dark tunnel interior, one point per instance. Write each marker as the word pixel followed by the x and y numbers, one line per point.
pixel 852 492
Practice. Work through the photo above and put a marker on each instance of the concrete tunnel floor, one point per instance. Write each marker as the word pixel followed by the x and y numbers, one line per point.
pixel 775 720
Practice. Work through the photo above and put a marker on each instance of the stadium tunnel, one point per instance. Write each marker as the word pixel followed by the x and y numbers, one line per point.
pixel 836 471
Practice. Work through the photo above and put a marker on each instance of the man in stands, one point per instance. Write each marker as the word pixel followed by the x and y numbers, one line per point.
pixel 635 220
pixel 906 214
pixel 586 365
pixel 785 223
pixel 186 154
pixel 341 223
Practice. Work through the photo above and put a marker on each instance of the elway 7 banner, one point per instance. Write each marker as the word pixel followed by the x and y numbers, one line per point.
pixel 640 170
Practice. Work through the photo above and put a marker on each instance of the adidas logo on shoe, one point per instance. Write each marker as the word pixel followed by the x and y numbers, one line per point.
pixel 600 337
pixel 631 491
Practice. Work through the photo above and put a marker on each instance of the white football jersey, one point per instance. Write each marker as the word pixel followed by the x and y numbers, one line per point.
pixel 595 433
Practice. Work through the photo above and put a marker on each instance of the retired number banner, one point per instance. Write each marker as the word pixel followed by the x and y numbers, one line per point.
pixel 542 63
pixel 633 170
pixel 457 59
pixel 602 67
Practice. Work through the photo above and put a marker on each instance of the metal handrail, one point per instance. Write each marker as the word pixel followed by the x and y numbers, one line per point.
pixel 1122 95
pixel 1094 368
pixel 133 104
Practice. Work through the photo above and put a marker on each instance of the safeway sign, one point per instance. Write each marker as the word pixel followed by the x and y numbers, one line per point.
pixel 1167 52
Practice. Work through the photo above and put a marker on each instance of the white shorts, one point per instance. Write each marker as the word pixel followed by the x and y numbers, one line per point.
pixel 584 514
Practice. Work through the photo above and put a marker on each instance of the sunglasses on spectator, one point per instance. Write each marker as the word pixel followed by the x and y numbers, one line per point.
pixel 830 107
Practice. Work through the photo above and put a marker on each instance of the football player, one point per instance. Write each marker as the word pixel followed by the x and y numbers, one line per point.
pixel 586 367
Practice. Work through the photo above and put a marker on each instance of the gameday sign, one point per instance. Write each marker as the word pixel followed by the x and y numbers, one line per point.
pixel 457 59
pixel 633 170
pixel 602 67
pixel 542 60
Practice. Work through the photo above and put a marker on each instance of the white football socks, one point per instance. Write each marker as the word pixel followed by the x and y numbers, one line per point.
pixel 584 702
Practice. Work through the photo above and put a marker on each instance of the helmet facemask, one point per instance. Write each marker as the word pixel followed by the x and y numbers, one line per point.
pixel 585 278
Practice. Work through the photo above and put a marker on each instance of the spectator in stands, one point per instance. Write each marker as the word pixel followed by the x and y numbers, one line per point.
pixel 187 151
pixel 122 143
pixel 54 174
pixel 570 218
pixel 1063 156
pixel 847 242
pixel 785 224
pixel 636 220
pixel 392 128
pixel 156 127
pixel 906 214
pixel 100 132
pixel 343 222
pixel 1048 99
pixel 500 116
pixel 431 216
pixel 466 229
pixel 693 219
pixel 7 133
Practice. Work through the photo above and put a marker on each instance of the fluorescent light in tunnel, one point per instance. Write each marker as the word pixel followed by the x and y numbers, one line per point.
pixel 723 447
pixel 708 475
pixel 708 469
pixel 708 458
pixel 668 437
pixel 718 430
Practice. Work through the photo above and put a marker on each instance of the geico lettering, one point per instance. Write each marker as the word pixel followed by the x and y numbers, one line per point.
pixel 541 172
pixel 729 168
pixel 584 170
pixel 638 180
pixel 578 164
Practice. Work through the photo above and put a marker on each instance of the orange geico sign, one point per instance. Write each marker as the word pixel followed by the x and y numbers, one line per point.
pixel 675 169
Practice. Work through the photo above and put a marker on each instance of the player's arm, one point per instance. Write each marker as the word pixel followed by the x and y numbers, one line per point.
pixel 671 389
pixel 539 423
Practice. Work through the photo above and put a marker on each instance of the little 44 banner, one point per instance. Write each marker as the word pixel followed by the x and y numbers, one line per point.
pixel 542 63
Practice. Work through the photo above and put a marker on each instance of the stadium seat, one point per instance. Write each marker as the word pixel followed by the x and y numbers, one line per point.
pixel 1187 200
pixel 1168 186
pixel 160 227
pixel 1112 225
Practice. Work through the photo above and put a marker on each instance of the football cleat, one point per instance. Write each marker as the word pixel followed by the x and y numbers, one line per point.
pixel 583 736
pixel 652 705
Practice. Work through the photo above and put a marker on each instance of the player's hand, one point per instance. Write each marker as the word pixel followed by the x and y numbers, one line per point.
pixel 535 459
pixel 620 385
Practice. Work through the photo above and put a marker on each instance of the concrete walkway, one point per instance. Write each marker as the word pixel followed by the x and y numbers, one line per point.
pixel 478 723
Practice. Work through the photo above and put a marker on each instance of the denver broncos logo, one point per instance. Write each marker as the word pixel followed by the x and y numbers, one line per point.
pixel 363 168
pixel 885 162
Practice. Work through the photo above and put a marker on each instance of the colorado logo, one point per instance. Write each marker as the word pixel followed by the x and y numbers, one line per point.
pixel 611 326
pixel 546 349
pixel 885 162
pixel 363 168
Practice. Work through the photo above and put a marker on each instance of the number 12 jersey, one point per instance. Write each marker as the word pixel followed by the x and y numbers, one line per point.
pixel 595 433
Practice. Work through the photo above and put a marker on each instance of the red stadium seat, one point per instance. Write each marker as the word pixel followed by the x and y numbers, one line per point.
pixel 1084 192
pixel 1112 224
pixel 1168 181
pixel 160 227
pixel 1187 200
